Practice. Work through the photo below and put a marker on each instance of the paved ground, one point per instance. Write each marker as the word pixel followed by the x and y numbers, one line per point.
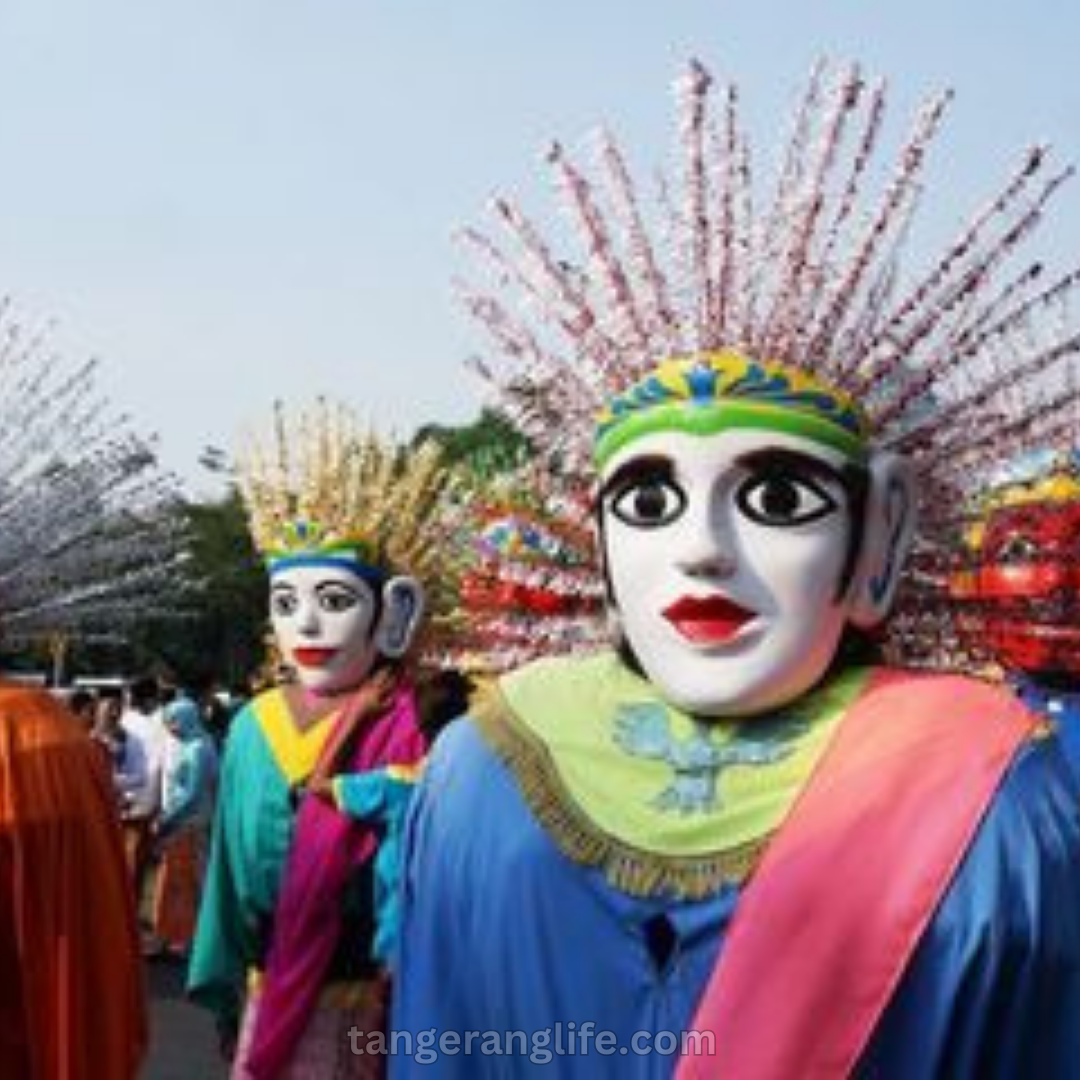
pixel 183 1044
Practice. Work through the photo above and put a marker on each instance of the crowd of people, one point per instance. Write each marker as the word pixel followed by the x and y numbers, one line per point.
pixel 765 762
pixel 160 745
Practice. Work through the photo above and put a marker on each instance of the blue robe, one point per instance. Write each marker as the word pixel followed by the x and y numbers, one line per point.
pixel 502 932
pixel 1062 710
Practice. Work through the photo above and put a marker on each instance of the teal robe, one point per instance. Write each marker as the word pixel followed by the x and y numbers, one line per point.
pixel 253 829
pixel 266 761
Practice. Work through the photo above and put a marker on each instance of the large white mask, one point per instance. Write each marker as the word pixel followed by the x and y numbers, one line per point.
pixel 330 626
pixel 726 555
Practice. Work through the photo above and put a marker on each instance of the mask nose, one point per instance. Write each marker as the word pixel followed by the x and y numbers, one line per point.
pixel 307 618
pixel 704 553
pixel 708 566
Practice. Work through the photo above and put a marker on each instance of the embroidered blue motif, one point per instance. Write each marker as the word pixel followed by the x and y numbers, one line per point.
pixel 644 730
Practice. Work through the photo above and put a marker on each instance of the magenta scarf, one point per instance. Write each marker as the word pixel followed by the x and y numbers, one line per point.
pixel 326 846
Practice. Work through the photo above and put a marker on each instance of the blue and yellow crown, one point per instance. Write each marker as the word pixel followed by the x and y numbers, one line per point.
pixel 302 542
pixel 715 391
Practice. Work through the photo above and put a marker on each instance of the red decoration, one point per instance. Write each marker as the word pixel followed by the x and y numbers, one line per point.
pixel 1028 586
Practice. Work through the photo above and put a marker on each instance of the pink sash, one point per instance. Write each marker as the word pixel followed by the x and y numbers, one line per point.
pixel 308 917
pixel 834 912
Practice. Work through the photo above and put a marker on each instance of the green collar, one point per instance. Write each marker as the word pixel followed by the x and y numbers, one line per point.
pixel 662 801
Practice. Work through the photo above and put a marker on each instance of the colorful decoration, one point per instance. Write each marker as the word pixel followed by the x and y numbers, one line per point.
pixel 530 581
pixel 1020 579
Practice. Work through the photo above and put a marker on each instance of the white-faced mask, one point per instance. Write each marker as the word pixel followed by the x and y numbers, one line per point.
pixel 324 620
pixel 726 555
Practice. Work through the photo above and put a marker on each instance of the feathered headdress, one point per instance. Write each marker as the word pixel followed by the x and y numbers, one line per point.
pixel 782 302
pixel 89 537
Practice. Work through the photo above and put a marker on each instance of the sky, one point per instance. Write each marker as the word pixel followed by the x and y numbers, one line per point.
pixel 234 201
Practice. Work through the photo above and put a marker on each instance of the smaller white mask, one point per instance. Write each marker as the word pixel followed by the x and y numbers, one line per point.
pixel 324 620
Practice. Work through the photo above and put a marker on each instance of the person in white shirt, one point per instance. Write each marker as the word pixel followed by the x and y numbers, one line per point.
pixel 139 779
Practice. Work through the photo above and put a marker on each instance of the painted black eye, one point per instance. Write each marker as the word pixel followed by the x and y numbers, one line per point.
pixel 781 500
pixel 283 604
pixel 336 598
pixel 1018 549
pixel 648 504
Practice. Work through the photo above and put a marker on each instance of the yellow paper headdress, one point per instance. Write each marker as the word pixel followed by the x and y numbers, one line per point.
pixel 324 489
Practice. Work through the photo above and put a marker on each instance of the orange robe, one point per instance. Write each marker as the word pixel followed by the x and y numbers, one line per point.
pixel 72 1005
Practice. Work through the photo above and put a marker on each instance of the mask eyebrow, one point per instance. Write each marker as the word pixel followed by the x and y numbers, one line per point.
pixel 780 459
pixel 338 586
pixel 647 468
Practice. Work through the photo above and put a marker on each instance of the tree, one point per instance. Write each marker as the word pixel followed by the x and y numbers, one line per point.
pixel 486 447
pixel 220 634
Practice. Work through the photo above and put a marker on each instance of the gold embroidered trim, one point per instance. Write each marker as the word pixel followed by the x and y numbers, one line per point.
pixel 628 868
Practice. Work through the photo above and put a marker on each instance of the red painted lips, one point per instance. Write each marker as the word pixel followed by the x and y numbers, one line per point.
pixel 314 658
pixel 707 620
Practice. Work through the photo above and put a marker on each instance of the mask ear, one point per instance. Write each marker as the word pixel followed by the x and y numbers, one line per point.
pixel 402 610
pixel 887 537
